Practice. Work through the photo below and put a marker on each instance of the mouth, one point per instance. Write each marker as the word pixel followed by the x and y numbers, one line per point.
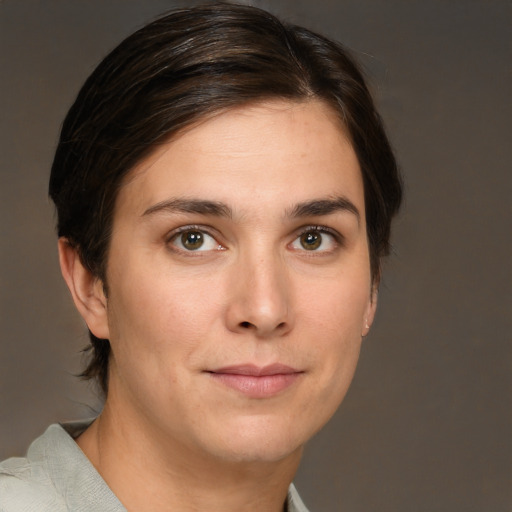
pixel 257 381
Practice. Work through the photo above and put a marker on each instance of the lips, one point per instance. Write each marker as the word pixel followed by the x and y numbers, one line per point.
pixel 257 381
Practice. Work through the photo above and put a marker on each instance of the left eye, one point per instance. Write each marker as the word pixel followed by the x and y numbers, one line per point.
pixel 194 240
pixel 315 240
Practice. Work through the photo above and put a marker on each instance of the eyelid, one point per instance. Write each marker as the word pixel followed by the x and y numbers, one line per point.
pixel 172 235
pixel 339 239
pixel 188 227
pixel 322 229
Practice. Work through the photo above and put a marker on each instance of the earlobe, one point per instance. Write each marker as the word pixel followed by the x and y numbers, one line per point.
pixel 370 312
pixel 86 290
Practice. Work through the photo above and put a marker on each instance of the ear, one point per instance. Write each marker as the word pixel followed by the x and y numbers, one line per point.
pixel 370 311
pixel 86 289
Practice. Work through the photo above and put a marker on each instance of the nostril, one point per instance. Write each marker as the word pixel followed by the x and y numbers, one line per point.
pixel 245 325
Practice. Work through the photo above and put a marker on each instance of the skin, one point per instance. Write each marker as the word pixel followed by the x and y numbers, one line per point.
pixel 274 281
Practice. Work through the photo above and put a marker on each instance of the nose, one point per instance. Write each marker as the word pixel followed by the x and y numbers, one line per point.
pixel 259 301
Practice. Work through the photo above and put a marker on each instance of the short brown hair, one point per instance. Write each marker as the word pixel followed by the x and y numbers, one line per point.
pixel 186 65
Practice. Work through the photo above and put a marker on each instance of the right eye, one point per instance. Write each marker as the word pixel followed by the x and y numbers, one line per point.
pixel 194 239
pixel 316 239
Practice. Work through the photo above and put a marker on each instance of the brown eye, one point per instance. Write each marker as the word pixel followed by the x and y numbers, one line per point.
pixel 192 240
pixel 320 240
pixel 311 240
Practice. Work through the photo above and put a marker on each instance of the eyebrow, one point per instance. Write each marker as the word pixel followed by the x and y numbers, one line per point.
pixel 313 208
pixel 318 207
pixel 200 206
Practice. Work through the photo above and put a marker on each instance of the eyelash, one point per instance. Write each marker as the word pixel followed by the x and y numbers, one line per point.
pixel 183 229
pixel 338 238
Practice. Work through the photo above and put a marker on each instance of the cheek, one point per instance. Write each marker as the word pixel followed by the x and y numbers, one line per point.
pixel 334 321
pixel 154 314
pixel 339 306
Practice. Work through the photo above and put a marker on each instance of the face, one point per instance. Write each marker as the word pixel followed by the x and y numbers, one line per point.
pixel 239 282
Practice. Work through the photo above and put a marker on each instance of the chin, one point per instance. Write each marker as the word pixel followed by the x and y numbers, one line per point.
pixel 257 441
pixel 265 452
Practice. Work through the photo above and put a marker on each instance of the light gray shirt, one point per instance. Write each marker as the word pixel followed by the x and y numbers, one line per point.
pixel 56 476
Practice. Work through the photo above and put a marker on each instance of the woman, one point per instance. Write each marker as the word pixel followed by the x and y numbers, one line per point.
pixel 224 190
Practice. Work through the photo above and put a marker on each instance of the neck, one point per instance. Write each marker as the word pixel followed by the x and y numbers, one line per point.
pixel 148 471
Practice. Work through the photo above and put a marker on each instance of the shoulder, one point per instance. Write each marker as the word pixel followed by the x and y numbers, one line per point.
pixel 54 476
pixel 295 504
pixel 25 487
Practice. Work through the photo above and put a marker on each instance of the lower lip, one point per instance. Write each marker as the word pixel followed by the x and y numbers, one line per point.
pixel 260 386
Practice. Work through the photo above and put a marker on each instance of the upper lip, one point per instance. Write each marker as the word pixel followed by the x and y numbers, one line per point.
pixel 257 371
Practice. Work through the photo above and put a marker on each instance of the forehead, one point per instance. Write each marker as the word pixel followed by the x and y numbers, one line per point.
pixel 260 151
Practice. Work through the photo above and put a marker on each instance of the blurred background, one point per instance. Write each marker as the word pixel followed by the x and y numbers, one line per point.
pixel 427 423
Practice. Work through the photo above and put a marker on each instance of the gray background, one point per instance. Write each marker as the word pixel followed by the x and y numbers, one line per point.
pixel 427 423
